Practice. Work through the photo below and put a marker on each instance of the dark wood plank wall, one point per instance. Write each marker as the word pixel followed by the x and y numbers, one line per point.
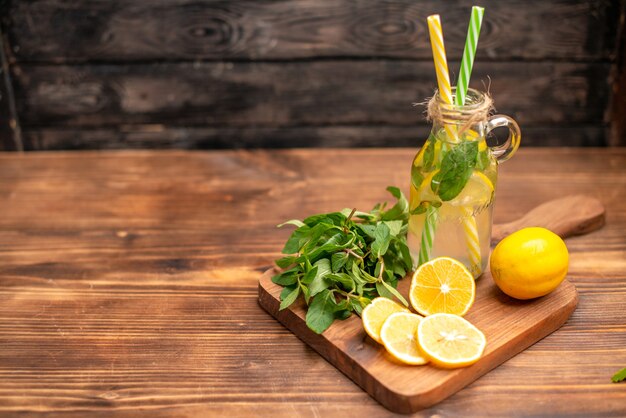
pixel 219 74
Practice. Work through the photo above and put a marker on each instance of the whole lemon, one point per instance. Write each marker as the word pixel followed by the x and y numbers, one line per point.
pixel 529 263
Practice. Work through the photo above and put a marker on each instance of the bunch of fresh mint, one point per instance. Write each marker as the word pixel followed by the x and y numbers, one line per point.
pixel 340 261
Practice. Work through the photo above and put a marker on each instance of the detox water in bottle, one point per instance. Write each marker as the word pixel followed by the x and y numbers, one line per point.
pixel 453 180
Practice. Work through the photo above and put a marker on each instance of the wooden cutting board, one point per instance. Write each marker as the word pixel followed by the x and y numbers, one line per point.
pixel 510 325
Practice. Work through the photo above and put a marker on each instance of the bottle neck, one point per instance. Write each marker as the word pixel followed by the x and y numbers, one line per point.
pixel 456 123
pixel 458 132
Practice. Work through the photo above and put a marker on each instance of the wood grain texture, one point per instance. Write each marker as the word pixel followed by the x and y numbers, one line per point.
pixel 161 136
pixel 128 284
pixel 617 104
pixel 223 74
pixel 64 31
pixel 509 326
pixel 10 133
pixel 567 216
pixel 298 93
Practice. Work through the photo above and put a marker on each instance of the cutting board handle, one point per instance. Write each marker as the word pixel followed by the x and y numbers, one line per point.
pixel 566 217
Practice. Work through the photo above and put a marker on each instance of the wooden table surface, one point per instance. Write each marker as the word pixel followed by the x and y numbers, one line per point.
pixel 128 285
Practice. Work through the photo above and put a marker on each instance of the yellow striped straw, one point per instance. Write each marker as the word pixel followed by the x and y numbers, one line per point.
pixel 441 65
pixel 445 91
pixel 472 242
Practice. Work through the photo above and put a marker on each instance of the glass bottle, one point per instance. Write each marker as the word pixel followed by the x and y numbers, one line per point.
pixel 453 182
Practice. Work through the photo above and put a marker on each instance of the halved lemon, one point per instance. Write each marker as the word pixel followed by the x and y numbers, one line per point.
pixel 399 333
pixel 375 314
pixel 450 341
pixel 442 285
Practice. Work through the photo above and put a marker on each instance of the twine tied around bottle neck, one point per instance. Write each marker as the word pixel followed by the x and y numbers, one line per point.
pixel 477 109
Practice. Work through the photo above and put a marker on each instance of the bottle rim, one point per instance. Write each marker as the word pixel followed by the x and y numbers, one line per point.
pixel 474 100
pixel 477 108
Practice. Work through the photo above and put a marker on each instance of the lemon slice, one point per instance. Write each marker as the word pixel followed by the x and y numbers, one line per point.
pixel 478 192
pixel 425 192
pixel 399 334
pixel 442 285
pixel 419 158
pixel 375 314
pixel 450 341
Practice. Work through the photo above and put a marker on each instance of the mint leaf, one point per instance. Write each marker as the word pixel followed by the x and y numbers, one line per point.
pixel 319 282
pixel 338 260
pixel 305 293
pixel 310 276
pixel 368 277
pixel 383 291
pixel 619 376
pixel 295 222
pixel 289 298
pixel 321 312
pixel 286 291
pixel 406 255
pixel 367 229
pixel 456 169
pixel 335 218
pixel 286 278
pixel 323 267
pixel 416 177
pixel 343 309
pixel 397 268
pixel 359 282
pixel 338 241
pixel 429 153
pixel 343 313
pixel 313 237
pixel 400 210
pixel 419 209
pixel 383 238
pixel 395 227
pixel 286 261
pixel 394 292
pixel 298 236
pixel 346 281
pixel 356 306
pixel 357 214
pixel 423 207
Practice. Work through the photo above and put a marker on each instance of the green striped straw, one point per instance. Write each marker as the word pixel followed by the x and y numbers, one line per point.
pixel 467 62
pixel 428 235
pixel 430 221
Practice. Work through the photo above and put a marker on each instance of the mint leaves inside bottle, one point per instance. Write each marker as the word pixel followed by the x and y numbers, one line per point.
pixel 456 169
pixel 338 262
